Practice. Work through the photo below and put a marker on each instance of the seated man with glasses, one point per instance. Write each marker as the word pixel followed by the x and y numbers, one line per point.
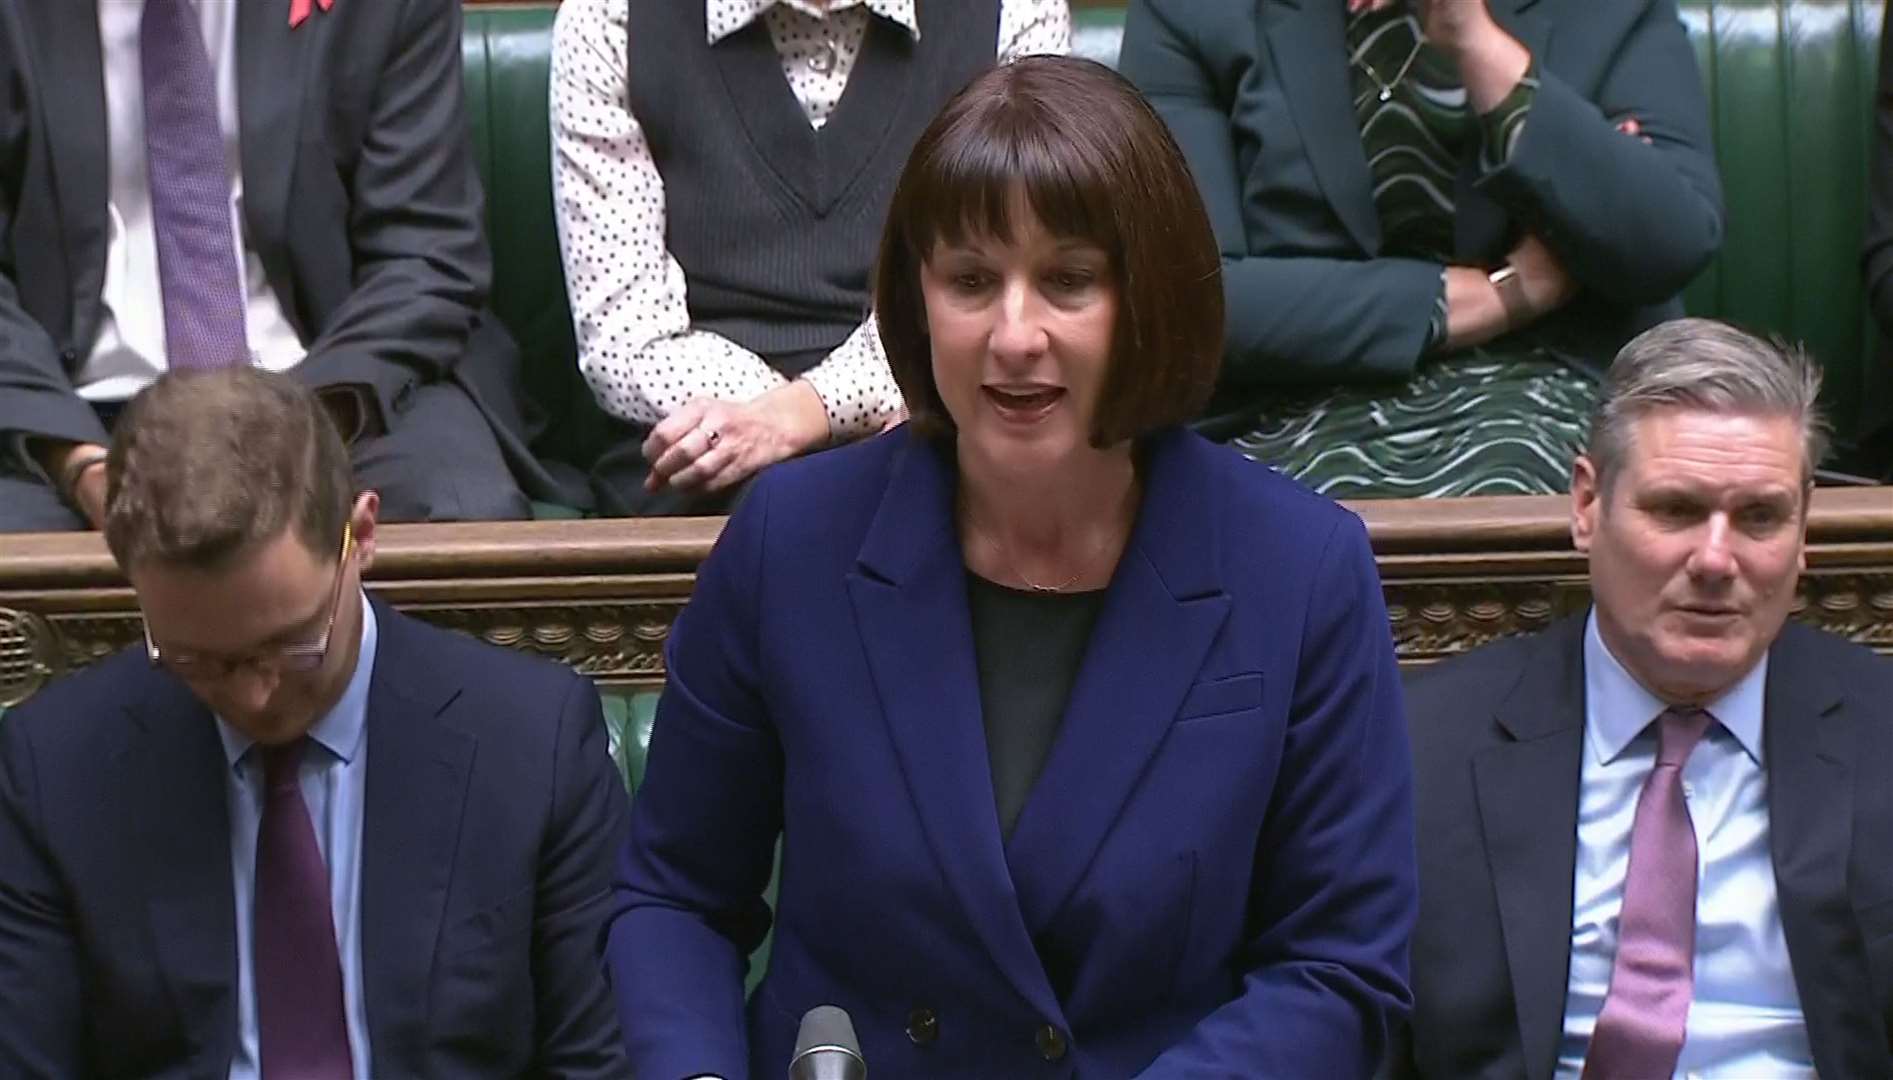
pixel 302 834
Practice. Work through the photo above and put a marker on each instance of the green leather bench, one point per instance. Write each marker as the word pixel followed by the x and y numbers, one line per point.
pixel 1790 84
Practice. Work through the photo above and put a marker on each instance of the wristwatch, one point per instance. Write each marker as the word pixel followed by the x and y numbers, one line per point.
pixel 1518 309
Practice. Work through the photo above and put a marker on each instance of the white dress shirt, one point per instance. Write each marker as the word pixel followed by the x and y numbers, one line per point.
pixel 635 343
pixel 334 777
pixel 1745 1021
pixel 129 351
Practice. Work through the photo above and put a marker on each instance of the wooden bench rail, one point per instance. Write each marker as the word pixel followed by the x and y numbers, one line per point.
pixel 601 595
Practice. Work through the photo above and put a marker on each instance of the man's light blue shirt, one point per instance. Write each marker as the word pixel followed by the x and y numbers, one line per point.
pixel 334 774
pixel 1745 1021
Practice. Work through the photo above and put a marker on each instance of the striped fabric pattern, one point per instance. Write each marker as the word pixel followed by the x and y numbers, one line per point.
pixel 1485 421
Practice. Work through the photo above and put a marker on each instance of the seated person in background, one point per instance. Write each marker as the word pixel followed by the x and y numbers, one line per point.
pixel 1082 735
pixel 295 833
pixel 1875 456
pixel 721 170
pixel 201 185
pixel 1653 839
pixel 1439 220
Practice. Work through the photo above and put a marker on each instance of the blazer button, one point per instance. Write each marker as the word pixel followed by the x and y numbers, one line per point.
pixel 923 1026
pixel 1051 1043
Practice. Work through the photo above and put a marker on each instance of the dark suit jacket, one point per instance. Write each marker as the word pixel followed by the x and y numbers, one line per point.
pixel 1257 94
pixel 360 197
pixel 1212 876
pixel 1497 746
pixel 491 812
pixel 1876 405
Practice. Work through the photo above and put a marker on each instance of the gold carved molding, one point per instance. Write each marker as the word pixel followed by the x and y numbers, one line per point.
pixel 601 596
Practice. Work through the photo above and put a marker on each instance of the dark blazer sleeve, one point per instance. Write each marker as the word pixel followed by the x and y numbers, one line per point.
pixel 414 218
pixel 688 900
pixel 1631 221
pixel 576 1025
pixel 36 393
pixel 1336 885
pixel 1289 319
pixel 41 1024
pixel 1877 254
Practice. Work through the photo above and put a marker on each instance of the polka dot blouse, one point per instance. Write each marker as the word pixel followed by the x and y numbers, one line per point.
pixel 636 346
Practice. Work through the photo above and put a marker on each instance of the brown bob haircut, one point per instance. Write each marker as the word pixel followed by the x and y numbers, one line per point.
pixel 206 464
pixel 1094 162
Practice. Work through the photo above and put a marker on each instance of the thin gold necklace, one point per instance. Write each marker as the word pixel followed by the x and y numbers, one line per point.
pixel 1386 88
pixel 1012 564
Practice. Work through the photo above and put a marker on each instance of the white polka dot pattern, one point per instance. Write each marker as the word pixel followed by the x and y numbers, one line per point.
pixel 636 347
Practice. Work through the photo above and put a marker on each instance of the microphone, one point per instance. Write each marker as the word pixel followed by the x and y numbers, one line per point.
pixel 825 1047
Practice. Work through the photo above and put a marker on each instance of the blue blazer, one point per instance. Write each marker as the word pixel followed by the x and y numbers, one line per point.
pixel 491 811
pixel 1213 876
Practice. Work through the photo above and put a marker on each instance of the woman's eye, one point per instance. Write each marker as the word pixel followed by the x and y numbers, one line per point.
pixel 969 282
pixel 1072 280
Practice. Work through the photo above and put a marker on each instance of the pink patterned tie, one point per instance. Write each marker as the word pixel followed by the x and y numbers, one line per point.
pixel 1639 1034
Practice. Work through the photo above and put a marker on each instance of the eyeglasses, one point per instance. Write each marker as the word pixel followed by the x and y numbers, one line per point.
pixel 299 658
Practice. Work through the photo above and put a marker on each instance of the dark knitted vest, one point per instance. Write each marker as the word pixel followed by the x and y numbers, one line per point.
pixel 776 224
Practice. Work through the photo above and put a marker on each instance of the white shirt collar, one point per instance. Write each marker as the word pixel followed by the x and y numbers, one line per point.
pixel 1617 707
pixel 726 17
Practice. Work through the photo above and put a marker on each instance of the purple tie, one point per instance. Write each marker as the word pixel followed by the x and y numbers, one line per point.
pixel 298 973
pixel 1639 1034
pixel 198 268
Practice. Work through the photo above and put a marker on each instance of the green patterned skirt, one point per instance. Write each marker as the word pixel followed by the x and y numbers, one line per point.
pixel 1475 423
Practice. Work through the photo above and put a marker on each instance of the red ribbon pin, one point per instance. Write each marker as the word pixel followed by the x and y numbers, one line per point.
pixel 299 10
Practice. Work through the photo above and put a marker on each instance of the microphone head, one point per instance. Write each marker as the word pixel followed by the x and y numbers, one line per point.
pixel 826 1047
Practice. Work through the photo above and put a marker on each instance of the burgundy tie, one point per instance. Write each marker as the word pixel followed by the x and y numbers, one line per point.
pixel 1639 1033
pixel 298 973
pixel 198 269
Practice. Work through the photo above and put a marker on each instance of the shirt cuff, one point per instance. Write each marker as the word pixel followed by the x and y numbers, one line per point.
pixel 1500 128
pixel 1436 325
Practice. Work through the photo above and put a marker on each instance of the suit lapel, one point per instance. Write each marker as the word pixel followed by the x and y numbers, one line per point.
pixel 71 86
pixel 271 66
pixel 1528 795
pixel 1806 732
pixel 909 599
pixel 1168 589
pixel 1307 45
pixel 177 802
pixel 418 765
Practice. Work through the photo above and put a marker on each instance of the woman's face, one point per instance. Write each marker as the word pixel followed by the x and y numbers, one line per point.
pixel 1021 335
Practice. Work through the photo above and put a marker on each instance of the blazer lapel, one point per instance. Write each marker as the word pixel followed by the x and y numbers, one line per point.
pixel 271 66
pixel 1307 45
pixel 71 88
pixel 1810 766
pixel 418 765
pixel 1168 589
pixel 909 599
pixel 1528 794
pixel 176 783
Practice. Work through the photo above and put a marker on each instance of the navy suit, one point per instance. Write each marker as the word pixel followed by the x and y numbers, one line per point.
pixel 491 811
pixel 1214 874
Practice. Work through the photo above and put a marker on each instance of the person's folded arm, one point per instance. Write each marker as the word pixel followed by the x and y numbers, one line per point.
pixel 1633 219
pixel 856 386
pixel 1289 319
pixel 688 901
pixel 422 267
pixel 636 347
pixel 41 1008
pixel 1335 891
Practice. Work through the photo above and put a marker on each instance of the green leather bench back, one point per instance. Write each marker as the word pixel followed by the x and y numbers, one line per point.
pixel 1791 86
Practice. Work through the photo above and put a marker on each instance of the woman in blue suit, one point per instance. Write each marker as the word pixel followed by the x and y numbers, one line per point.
pixel 1082 736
